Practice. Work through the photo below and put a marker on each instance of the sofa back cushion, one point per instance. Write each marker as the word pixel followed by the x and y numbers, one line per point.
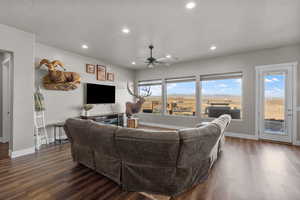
pixel 197 144
pixel 103 139
pixel 78 133
pixel 107 160
pixel 146 147
pixel 223 121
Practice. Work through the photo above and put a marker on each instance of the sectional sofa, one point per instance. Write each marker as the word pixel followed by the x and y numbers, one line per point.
pixel 160 162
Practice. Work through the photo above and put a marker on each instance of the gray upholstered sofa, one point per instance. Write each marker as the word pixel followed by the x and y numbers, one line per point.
pixel 161 162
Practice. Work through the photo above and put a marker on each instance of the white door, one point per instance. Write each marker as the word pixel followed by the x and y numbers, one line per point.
pixel 6 101
pixel 275 106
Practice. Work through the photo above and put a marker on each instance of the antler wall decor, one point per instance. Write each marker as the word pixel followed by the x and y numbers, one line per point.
pixel 59 80
pixel 133 108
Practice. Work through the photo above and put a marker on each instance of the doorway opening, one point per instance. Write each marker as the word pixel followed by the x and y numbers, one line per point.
pixel 6 63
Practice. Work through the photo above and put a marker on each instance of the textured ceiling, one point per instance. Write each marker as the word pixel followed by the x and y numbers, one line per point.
pixel 232 25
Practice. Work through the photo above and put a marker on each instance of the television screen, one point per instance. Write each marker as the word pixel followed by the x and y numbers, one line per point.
pixel 100 94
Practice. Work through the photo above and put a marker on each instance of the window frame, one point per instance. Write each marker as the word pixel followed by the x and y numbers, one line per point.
pixel 198 95
pixel 152 82
pixel 180 80
pixel 227 75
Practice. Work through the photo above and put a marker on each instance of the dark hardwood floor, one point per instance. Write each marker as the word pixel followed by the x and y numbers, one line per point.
pixel 3 150
pixel 246 170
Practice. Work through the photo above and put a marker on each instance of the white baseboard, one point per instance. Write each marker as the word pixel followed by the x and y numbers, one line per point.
pixel 241 135
pixel 296 143
pixel 23 152
pixel 0 139
pixel 161 125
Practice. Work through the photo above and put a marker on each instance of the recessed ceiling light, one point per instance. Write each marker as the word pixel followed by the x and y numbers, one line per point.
pixel 84 46
pixel 190 5
pixel 213 47
pixel 168 56
pixel 126 30
pixel 133 63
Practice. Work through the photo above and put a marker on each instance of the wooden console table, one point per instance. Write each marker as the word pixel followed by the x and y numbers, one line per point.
pixel 110 118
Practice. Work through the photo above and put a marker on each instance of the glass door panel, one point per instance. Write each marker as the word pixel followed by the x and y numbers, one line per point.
pixel 274 103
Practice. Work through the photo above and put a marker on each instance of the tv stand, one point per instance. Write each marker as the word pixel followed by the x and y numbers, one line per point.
pixel 110 118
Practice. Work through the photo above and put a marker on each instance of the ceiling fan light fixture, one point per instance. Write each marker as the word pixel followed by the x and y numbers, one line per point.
pixel 126 30
pixel 151 65
pixel 133 63
pixel 190 5
pixel 213 47
pixel 84 46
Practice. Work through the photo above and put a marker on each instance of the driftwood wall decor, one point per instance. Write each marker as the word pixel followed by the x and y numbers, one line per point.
pixel 57 79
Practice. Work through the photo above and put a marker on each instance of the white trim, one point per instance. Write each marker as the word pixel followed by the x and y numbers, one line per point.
pixel 274 66
pixel 161 125
pixel 297 143
pixel 2 140
pixel 241 135
pixel 295 101
pixel 23 152
pixel 293 136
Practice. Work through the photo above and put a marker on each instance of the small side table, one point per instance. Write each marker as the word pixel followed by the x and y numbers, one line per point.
pixel 132 123
pixel 58 126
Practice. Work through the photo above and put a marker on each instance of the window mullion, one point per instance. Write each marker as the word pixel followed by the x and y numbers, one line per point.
pixel 164 97
pixel 198 97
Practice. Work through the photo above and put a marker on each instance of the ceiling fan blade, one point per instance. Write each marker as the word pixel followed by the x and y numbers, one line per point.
pixel 162 59
pixel 168 59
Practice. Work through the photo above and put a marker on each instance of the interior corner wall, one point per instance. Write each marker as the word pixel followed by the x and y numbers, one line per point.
pixel 244 62
pixel 61 105
pixel 21 45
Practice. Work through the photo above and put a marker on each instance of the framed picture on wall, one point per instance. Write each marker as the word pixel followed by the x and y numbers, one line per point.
pixel 110 76
pixel 101 73
pixel 91 69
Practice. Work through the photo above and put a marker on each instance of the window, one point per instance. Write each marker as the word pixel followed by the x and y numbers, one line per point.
pixel 221 94
pixel 153 102
pixel 181 98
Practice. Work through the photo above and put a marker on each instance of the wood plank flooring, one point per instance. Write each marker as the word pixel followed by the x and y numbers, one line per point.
pixel 246 170
pixel 3 150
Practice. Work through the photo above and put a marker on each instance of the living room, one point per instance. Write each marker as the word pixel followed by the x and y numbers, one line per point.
pixel 149 100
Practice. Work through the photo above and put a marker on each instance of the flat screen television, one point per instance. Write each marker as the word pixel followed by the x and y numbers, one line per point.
pixel 100 94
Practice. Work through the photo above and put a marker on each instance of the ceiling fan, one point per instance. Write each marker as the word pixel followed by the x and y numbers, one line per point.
pixel 151 61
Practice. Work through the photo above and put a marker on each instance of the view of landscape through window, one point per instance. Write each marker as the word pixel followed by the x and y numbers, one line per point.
pixel 153 103
pixel 274 102
pixel 218 96
pixel 221 96
pixel 181 99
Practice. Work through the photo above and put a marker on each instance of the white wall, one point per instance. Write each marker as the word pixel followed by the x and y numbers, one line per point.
pixel 61 105
pixel 244 62
pixel 21 44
